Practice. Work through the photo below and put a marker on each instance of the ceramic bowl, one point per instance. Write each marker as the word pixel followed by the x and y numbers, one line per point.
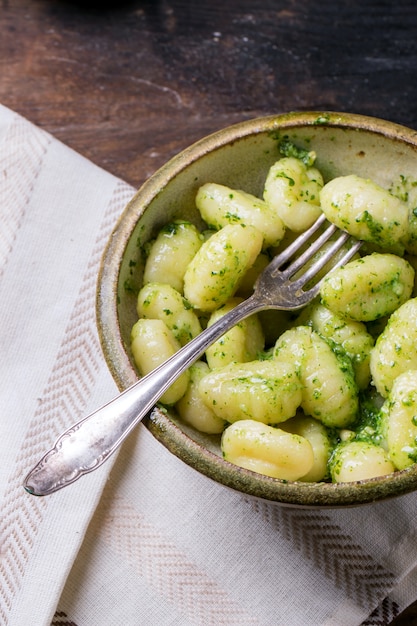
pixel 239 156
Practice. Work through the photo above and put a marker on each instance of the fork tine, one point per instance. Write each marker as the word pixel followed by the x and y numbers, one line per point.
pixel 292 294
pixel 326 257
pixel 293 247
pixel 314 247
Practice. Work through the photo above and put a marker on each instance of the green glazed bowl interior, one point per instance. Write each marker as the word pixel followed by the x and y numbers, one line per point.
pixel 240 156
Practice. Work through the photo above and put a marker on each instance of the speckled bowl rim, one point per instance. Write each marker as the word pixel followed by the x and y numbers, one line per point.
pixel 314 495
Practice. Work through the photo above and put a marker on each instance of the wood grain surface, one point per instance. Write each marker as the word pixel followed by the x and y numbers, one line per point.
pixel 130 84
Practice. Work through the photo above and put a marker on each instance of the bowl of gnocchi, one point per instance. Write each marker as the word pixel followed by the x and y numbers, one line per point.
pixel 313 407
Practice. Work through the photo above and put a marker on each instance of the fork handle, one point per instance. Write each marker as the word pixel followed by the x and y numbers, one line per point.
pixel 86 445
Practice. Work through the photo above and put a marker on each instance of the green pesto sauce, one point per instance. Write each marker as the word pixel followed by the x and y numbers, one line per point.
pixel 401 189
pixel 368 427
pixel 288 149
pixel 291 181
pixel 374 226
pixel 129 286
pixel 174 227
pixel 322 119
pixel 232 217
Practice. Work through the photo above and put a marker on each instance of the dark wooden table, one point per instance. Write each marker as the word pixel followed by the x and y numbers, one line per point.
pixel 130 85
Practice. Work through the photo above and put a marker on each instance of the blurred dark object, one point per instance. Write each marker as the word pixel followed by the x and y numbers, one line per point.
pixel 131 83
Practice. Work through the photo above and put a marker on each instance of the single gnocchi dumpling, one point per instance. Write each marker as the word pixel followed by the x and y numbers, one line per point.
pixel 405 188
pixel 292 345
pixel 293 190
pixel 191 407
pixel 267 450
pixel 395 350
pixel 163 302
pixel 318 436
pixel 152 343
pixel 399 420
pixel 368 288
pixel 359 460
pixel 329 391
pixel 214 273
pixel 265 391
pixel 171 252
pixel 366 211
pixel 220 205
pixel 351 336
pixel 240 344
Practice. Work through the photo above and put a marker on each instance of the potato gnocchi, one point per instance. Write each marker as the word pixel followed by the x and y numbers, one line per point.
pixel 327 394
pixel 163 302
pixel 220 205
pixel 265 391
pixel 350 336
pixel 395 350
pixel 171 253
pixel 292 189
pixel 368 288
pixel 266 450
pixel 329 391
pixel 152 344
pixel 399 420
pixel 366 211
pixel 240 344
pixel 359 460
pixel 213 275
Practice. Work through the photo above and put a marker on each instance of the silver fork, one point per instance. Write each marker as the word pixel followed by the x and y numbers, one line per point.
pixel 86 445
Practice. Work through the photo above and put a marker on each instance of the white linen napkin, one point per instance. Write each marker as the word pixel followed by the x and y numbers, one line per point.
pixel 144 540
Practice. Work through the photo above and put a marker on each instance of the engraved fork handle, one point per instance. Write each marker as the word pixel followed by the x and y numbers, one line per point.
pixel 90 442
